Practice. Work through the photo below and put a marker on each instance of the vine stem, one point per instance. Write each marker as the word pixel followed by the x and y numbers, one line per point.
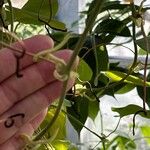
pixel 90 23
pixel 145 65
pixel 145 68
pixel 98 5
pixel 134 63
pixel 103 144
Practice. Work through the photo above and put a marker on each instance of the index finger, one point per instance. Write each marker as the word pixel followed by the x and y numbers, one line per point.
pixel 33 45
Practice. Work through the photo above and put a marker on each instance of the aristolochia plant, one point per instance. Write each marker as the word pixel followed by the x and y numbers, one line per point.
pixel 96 76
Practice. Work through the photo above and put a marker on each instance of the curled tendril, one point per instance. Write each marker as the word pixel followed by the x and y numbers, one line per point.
pixel 138 112
pixel 60 77
pixel 18 63
pixel 10 120
pixel 60 66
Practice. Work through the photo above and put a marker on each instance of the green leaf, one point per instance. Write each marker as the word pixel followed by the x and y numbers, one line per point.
pixel 57 25
pixel 141 43
pixel 129 110
pixel 116 76
pixel 84 71
pixel 44 11
pixel 24 16
pixel 121 142
pixel 126 143
pixel 60 124
pixel 78 110
pixel 28 14
pixel 61 145
pixel 93 109
pixel 125 89
pixel 141 94
pixel 113 90
pixel 141 52
pixel 113 27
pixel 114 5
pixel 43 7
pixel 102 61
pixel 146 132
pixel 140 91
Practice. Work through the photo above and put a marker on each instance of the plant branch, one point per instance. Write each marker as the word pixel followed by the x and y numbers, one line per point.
pixel 91 20
pixel 134 63
pixel 145 65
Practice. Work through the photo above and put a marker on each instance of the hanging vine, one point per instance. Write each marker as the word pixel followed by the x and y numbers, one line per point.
pixel 97 77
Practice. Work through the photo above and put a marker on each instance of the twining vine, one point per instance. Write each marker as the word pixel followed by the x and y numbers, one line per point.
pixel 138 16
pixel 96 9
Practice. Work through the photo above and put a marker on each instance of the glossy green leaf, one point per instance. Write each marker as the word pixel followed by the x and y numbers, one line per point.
pixel 93 109
pixel 121 142
pixel 113 90
pixel 129 110
pixel 146 132
pixel 60 124
pixel 28 14
pixel 78 110
pixel 84 71
pixel 126 143
pixel 117 5
pixel 140 91
pixel 142 43
pixel 125 89
pixel 57 25
pixel 44 11
pixel 43 7
pixel 116 76
pixel 25 17
pixel 114 5
pixel 102 61
pixel 141 52
pixel 61 145
pixel 113 27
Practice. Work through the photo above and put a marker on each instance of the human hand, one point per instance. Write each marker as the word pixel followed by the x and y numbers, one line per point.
pixel 25 99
